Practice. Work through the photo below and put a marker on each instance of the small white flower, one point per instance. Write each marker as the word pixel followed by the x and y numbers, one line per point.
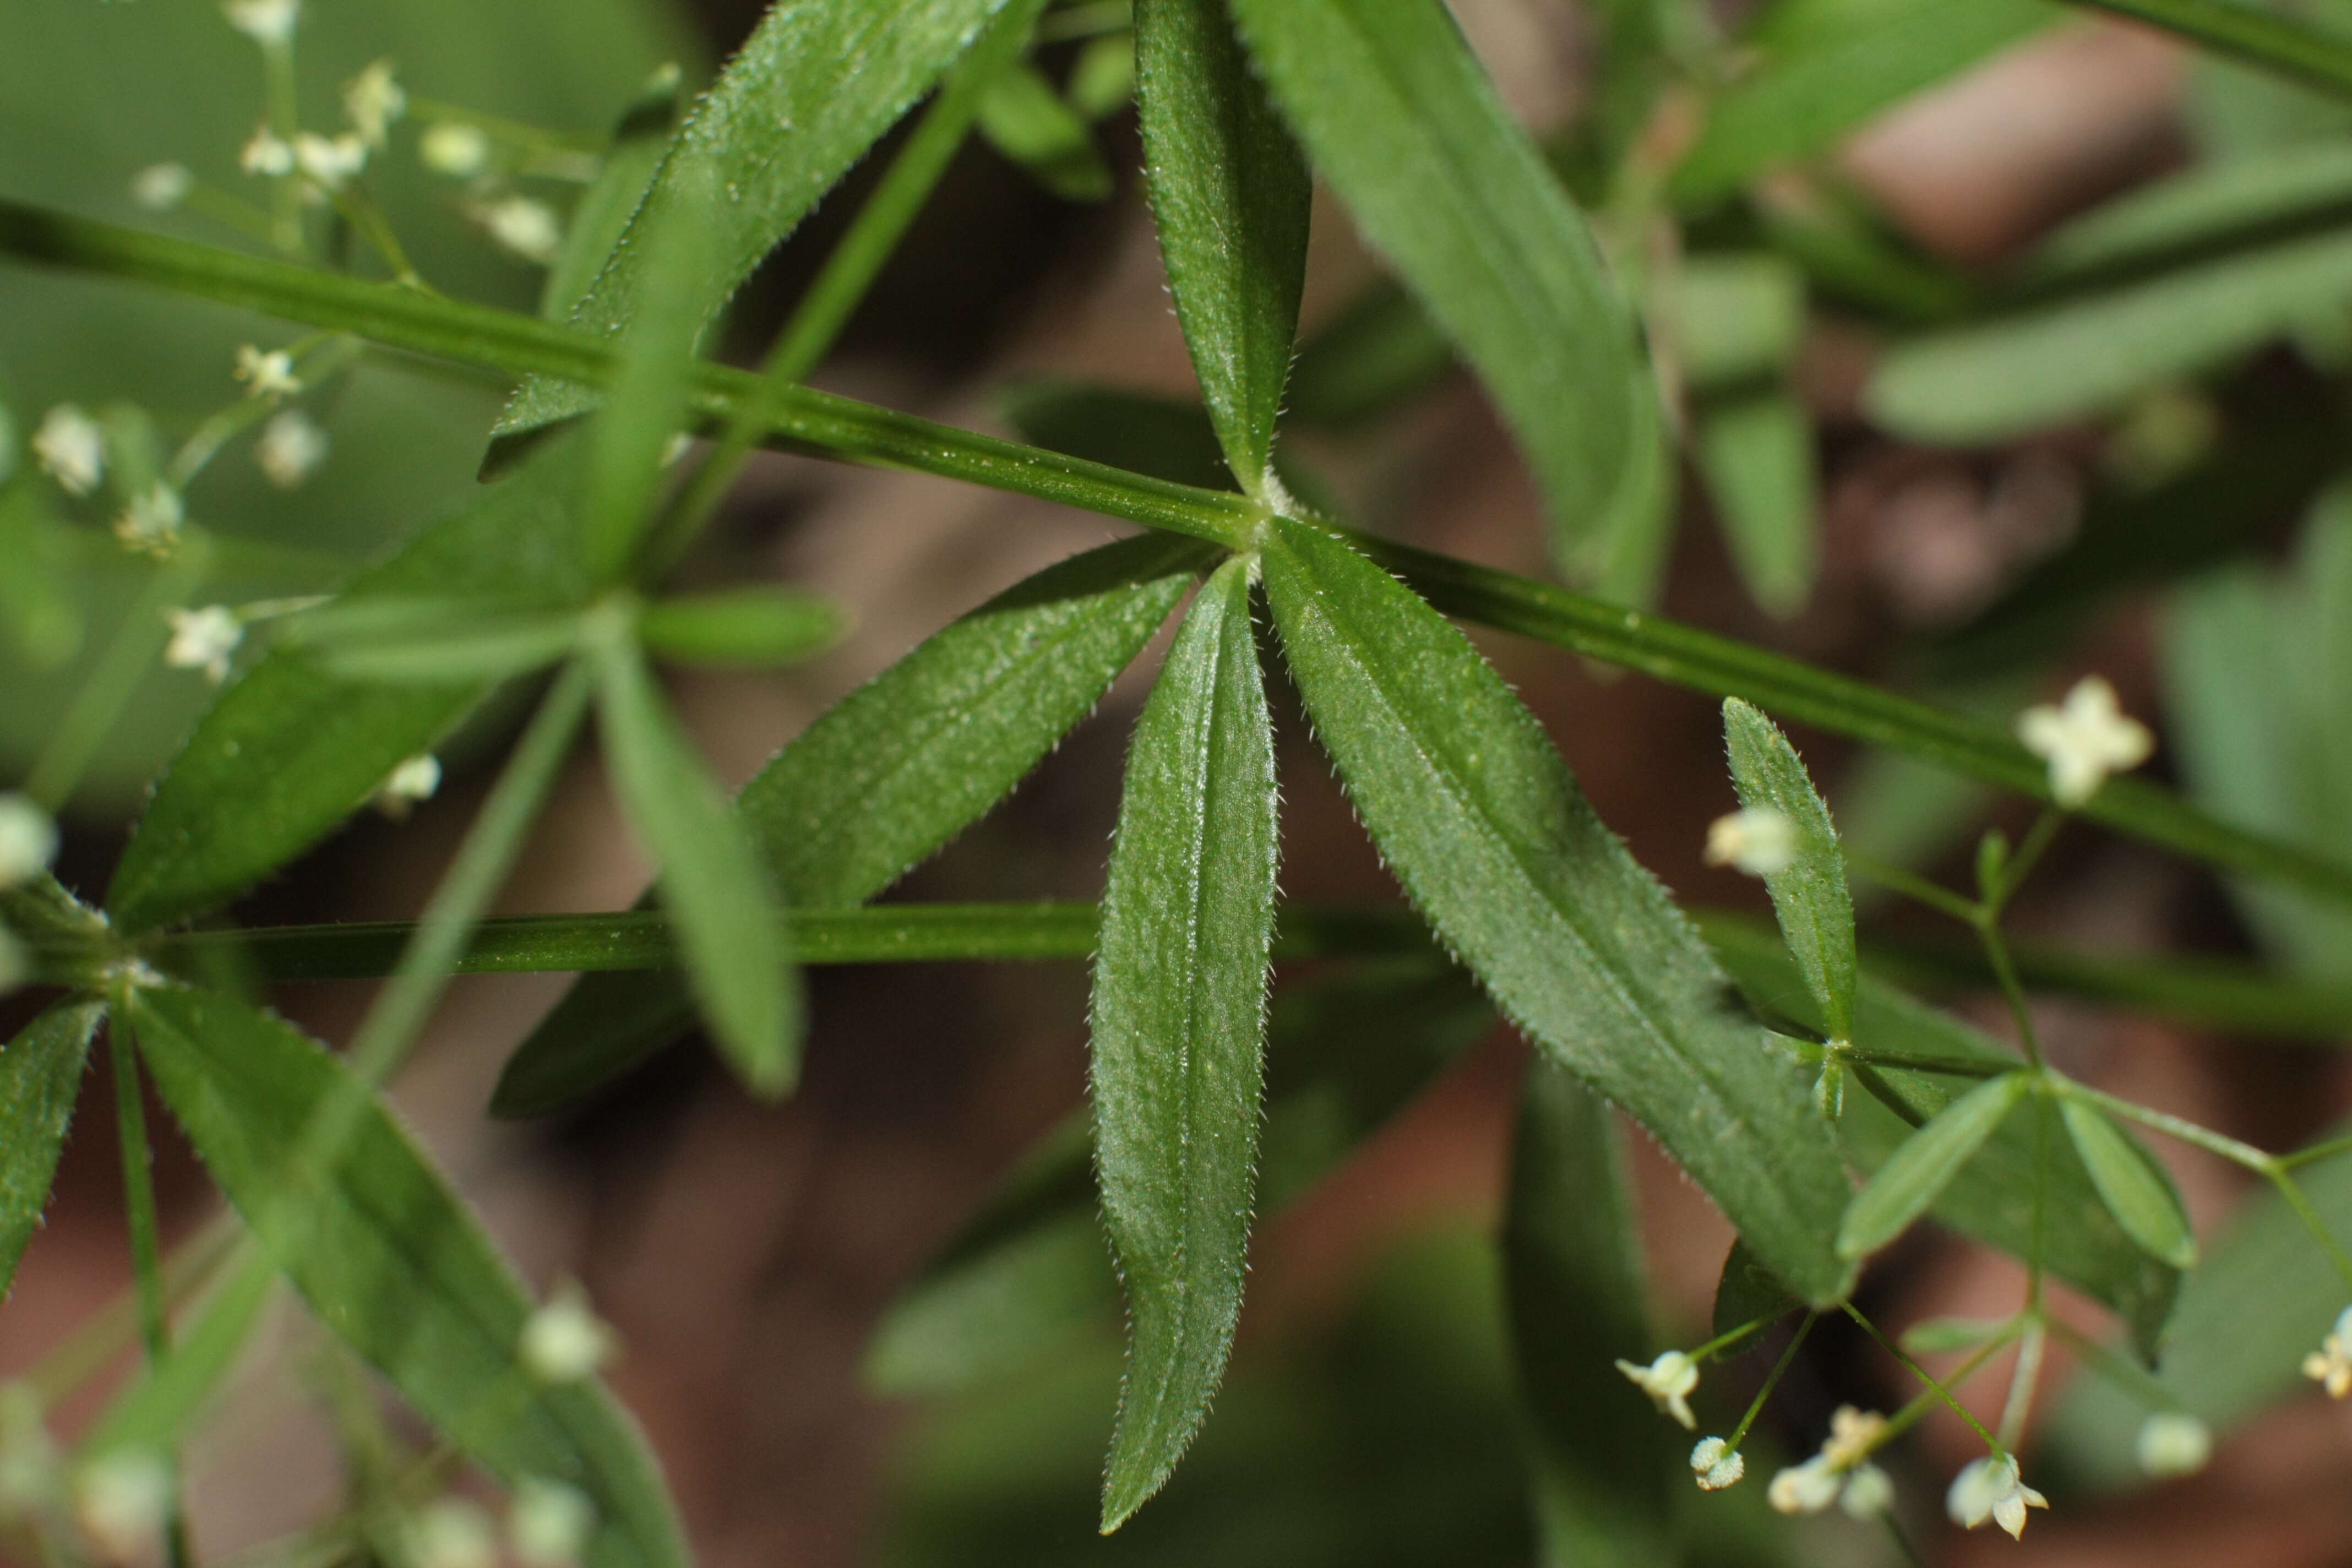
pixel 268 375
pixel 330 161
pixel 152 522
pixel 550 1523
pixel 160 187
pixel 454 148
pixel 373 101
pixel 524 228
pixel 416 779
pixel 266 153
pixel 1854 1434
pixel 1869 1492
pixel 1669 1382
pixel 2084 739
pixel 71 449
pixel 2330 1366
pixel 1757 839
pixel 2173 1443
pixel 28 840
pixel 122 1501
pixel 1808 1487
pixel 1717 1464
pixel 264 21
pixel 30 1473
pixel 204 639
pixel 290 448
pixel 1992 1488
pixel 452 1533
pixel 563 1341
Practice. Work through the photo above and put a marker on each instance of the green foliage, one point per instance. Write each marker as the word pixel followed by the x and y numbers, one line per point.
pixel 1809 893
pixel 1579 947
pixel 40 1076
pixel 1026 120
pixel 1179 1020
pixel 2135 1189
pixel 1901 1189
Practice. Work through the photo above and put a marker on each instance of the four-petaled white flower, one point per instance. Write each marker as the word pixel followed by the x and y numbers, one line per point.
pixel 2084 739
pixel 563 1341
pixel 373 101
pixel 266 153
pixel 330 161
pixel 28 840
pixel 550 1523
pixel 1808 1487
pixel 524 228
pixel 1757 839
pixel 2173 1443
pixel 71 449
pixel 1992 1488
pixel 264 21
pixel 452 1533
pixel 2330 1365
pixel 290 448
pixel 454 148
pixel 1669 1382
pixel 204 639
pixel 160 187
pixel 122 1501
pixel 1717 1464
pixel 152 522
pixel 268 375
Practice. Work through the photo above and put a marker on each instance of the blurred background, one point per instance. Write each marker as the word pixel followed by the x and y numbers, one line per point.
pixel 748 1254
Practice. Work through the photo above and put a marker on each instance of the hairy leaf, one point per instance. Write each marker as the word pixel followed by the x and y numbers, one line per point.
pixel 888 774
pixel 1916 1175
pixel 1480 820
pixel 816 84
pixel 2135 1190
pixel 391 1262
pixel 721 906
pixel 40 1078
pixel 1810 894
pixel 1179 1023
pixel 640 142
pixel 1402 120
pixel 1231 195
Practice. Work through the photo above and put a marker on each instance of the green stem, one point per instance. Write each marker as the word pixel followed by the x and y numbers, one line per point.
pixel 95 1342
pixel 1916 1409
pixel 2292 1193
pixel 146 1239
pixel 358 204
pixel 284 116
pixel 842 428
pixel 2118 1370
pixel 91 715
pixel 2004 973
pixel 2022 1382
pixel 535 137
pixel 1771 1381
pixel 2257 38
pixel 1916 1370
pixel 1915 888
pixel 2020 865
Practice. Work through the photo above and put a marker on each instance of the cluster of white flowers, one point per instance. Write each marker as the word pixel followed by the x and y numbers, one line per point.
pixel 1668 1380
pixel 1840 1473
pixel 1756 839
pixel 290 448
pixel 372 100
pixel 2330 1365
pixel 151 522
pixel 71 449
pixel 266 153
pixel 1991 1487
pixel 331 163
pixel 563 1341
pixel 1717 1464
pixel 204 639
pixel 2084 739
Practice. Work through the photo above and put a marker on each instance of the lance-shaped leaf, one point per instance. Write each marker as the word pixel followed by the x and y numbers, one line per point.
pixel 1901 1190
pixel 1808 893
pixel 1755 451
pixel 1178 1025
pixel 1230 194
pixel 730 929
pixel 888 774
pixel 1603 1470
pixel 1024 118
pixel 2135 1189
pixel 393 1263
pixel 747 628
pixel 1578 945
pixel 816 84
pixel 640 141
pixel 1402 120
pixel 40 1076
pixel 287 750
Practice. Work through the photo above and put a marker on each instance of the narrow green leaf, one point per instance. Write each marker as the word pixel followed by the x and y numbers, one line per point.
pixel 1024 118
pixel 592 232
pixel 154 1411
pixel 744 628
pixel 2135 1189
pixel 1402 120
pixel 1480 820
pixel 1178 1025
pixel 438 644
pixel 815 87
pixel 1231 195
pixel 1829 65
pixel 1756 453
pixel 1736 318
pixel 2276 44
pixel 729 927
pixel 1604 1468
pixel 1810 894
pixel 888 774
pixel 2204 207
pixel 391 1262
pixel 287 752
pixel 1901 1190
pixel 40 1076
